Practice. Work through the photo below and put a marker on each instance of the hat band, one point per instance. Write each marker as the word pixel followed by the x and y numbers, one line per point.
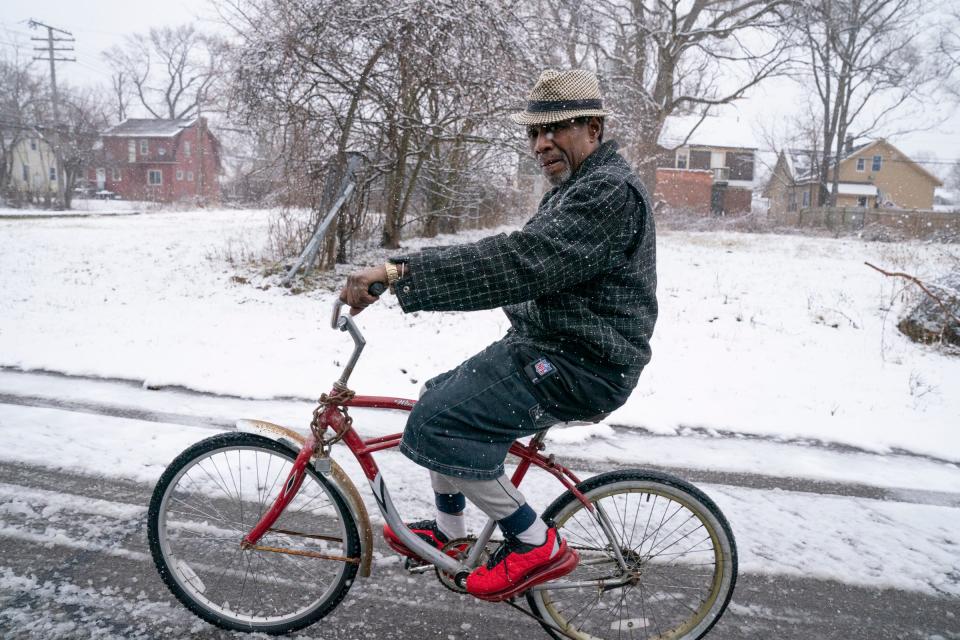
pixel 541 106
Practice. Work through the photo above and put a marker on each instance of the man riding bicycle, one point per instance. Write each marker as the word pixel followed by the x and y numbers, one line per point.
pixel 578 284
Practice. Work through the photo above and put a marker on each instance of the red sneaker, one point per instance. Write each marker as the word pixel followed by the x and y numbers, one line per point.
pixel 517 566
pixel 426 530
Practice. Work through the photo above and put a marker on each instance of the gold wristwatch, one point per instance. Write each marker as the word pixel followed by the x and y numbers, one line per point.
pixel 392 274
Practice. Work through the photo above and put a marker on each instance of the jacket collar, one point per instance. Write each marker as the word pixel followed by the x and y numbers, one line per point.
pixel 599 157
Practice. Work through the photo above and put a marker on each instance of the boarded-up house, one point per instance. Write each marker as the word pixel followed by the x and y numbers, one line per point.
pixel 706 179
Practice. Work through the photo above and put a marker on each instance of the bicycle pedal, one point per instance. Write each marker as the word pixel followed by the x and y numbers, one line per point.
pixel 413 565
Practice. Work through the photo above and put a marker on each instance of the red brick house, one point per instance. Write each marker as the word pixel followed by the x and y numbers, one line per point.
pixel 159 161
pixel 706 179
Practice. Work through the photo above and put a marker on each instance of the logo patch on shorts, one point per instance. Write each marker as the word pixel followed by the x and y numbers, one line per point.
pixel 543 367
pixel 539 369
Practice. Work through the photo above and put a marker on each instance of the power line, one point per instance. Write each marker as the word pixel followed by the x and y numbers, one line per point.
pixel 906 160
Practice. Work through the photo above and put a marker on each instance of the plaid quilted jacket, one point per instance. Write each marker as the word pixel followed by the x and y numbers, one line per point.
pixel 580 274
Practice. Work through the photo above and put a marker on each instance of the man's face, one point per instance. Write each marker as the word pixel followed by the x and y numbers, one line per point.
pixel 561 147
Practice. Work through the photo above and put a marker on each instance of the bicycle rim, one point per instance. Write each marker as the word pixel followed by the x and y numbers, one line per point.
pixel 213 499
pixel 679 552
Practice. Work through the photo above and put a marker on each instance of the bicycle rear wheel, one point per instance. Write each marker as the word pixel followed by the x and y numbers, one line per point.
pixel 679 552
pixel 210 496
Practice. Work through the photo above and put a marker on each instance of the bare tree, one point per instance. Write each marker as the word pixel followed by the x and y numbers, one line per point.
pixel 866 66
pixel 172 70
pixel 953 178
pixel 84 116
pixel 658 59
pixel 23 104
pixel 120 95
pixel 949 50
pixel 400 84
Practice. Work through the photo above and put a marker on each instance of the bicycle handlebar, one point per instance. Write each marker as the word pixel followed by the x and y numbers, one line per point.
pixel 346 323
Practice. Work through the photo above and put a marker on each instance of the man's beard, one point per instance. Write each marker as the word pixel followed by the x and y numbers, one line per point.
pixel 557 179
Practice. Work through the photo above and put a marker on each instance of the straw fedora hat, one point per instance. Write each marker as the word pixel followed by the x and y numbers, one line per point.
pixel 561 95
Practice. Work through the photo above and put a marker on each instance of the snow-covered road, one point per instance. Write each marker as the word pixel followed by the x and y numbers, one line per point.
pixel 817 555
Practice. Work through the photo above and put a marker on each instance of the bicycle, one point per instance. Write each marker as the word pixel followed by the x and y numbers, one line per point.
pixel 260 530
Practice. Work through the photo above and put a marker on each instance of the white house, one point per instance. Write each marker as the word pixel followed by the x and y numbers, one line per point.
pixel 33 167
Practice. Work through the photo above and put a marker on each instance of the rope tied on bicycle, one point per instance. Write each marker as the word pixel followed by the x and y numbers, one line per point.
pixel 337 398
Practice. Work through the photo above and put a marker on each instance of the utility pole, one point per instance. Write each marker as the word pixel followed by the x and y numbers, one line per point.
pixel 52 57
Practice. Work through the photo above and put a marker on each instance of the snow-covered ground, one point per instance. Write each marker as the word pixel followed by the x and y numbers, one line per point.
pixel 778 342
pixel 780 336
pixel 83 207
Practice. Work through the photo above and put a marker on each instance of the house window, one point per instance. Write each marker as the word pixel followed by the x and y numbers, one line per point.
pixel 26 173
pixel 861 164
pixel 186 148
pixel 792 201
pixel 116 174
pixel 877 161
pixel 144 147
pixel 740 164
pixel 179 174
pixel 189 176
pixel 700 159
pixel 131 151
pixel 806 199
pixel 162 151
pixel 154 177
pixel 53 174
pixel 33 145
pixel 862 202
pixel 681 161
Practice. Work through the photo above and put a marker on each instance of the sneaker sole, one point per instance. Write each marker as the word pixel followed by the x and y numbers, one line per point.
pixel 560 567
pixel 401 549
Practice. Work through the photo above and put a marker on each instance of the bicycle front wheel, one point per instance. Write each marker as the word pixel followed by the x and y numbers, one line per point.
pixel 210 497
pixel 668 571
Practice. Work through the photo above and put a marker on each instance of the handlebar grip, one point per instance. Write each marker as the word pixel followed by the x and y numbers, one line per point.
pixel 376 289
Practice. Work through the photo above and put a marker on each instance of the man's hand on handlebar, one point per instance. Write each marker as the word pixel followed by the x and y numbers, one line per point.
pixel 356 292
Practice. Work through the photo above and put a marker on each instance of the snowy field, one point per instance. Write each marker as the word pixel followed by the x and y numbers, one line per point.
pixel 84 207
pixel 778 336
pixel 766 346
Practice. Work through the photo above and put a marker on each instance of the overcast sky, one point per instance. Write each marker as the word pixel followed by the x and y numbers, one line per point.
pixel 100 24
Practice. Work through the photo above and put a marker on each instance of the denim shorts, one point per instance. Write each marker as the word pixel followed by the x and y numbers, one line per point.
pixel 468 417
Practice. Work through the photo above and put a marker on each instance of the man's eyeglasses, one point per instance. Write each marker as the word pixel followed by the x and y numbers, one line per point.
pixel 549 130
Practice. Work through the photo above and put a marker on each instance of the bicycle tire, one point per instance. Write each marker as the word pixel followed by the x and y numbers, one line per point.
pixel 197 518
pixel 683 529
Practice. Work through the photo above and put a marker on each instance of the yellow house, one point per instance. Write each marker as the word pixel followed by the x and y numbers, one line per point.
pixel 33 167
pixel 872 175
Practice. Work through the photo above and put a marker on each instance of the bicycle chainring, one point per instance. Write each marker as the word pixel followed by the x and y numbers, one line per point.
pixel 448 580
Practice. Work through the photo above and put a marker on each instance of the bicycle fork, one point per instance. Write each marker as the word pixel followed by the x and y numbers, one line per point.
pixel 289 491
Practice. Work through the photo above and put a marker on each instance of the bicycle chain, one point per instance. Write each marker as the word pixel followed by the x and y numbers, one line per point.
pixel 336 399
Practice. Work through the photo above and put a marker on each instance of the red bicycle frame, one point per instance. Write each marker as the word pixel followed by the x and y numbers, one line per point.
pixel 363 449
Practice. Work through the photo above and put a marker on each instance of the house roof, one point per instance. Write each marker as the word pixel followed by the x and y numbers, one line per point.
pixel 800 161
pixel 706 145
pixel 149 128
